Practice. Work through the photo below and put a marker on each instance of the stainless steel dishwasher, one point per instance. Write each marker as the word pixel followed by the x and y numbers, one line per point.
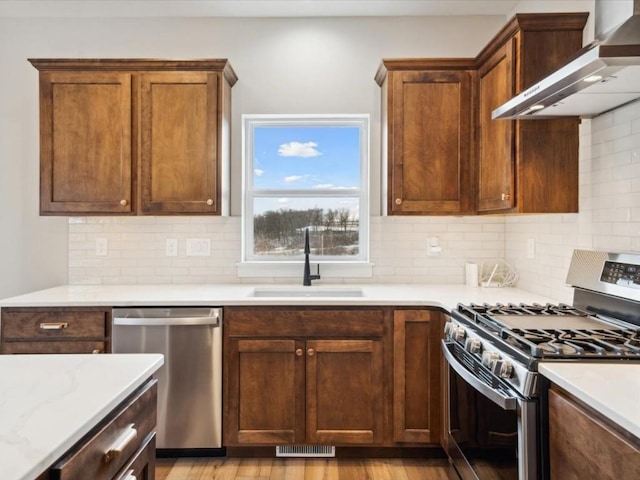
pixel 189 382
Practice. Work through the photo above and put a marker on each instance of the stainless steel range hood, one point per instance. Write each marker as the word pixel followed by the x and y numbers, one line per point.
pixel 602 76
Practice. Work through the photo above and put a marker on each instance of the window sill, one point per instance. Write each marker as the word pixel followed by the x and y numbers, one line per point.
pixel 295 269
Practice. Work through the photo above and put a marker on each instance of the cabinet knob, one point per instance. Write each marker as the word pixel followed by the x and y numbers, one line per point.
pixel 505 196
pixel 209 201
pixel 311 352
pixel 299 352
pixel 398 201
pixel 123 202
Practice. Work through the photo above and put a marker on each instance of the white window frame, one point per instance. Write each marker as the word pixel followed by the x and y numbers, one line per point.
pixel 249 123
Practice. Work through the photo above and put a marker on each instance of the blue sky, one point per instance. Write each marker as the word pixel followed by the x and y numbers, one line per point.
pixel 288 158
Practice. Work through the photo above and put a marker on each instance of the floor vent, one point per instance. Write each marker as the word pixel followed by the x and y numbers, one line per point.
pixel 305 451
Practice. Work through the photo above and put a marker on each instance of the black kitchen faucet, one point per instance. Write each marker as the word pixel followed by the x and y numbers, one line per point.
pixel 306 279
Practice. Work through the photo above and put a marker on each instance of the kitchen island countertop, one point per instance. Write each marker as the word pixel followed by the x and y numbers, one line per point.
pixel 49 402
pixel 612 388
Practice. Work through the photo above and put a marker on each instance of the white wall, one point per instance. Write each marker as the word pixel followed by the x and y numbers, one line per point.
pixel 291 65
pixel 284 65
pixel 609 216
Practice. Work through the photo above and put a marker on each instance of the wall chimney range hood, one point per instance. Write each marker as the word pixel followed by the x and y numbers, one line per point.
pixel 602 76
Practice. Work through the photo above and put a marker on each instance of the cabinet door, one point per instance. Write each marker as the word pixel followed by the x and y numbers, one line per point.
pixel 584 446
pixel 416 376
pixel 179 143
pixel 266 399
pixel 344 392
pixel 496 175
pixel 85 143
pixel 430 138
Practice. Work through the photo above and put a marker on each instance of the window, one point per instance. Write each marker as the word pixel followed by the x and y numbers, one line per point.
pixel 305 172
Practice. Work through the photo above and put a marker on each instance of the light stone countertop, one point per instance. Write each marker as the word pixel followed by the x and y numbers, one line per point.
pixel 443 296
pixel 49 402
pixel 611 388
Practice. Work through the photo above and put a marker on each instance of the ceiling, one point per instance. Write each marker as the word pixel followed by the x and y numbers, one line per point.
pixel 252 8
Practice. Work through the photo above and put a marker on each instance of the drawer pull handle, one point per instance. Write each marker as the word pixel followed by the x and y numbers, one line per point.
pixel 54 326
pixel 129 475
pixel 121 443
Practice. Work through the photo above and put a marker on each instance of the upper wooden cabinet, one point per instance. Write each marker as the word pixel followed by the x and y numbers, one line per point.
pixel 445 155
pixel 427 121
pixel 147 137
pixel 526 166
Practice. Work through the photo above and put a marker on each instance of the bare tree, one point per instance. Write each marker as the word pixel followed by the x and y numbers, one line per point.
pixel 343 218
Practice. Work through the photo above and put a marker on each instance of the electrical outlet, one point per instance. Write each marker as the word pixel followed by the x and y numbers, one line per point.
pixel 171 249
pixel 198 247
pixel 531 248
pixel 102 247
pixel 433 247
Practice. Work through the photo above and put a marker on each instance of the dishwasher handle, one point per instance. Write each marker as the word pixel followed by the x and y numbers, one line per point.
pixel 137 318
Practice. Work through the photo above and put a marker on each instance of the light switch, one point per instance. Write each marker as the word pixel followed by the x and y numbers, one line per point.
pixel 198 247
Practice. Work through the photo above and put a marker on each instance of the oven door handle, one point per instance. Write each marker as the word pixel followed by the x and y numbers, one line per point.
pixel 503 401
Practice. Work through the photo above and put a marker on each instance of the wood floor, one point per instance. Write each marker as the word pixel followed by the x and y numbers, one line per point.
pixel 301 469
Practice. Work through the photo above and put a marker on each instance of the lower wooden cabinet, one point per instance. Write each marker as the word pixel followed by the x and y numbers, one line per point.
pixel 120 447
pixel 584 445
pixel 416 376
pixel 364 376
pixel 55 330
pixel 297 376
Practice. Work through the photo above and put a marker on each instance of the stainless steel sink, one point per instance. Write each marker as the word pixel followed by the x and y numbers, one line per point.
pixel 302 292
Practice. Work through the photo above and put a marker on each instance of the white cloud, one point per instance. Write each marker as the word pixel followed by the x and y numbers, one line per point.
pixel 283 200
pixel 258 172
pixel 297 149
pixel 293 178
pixel 343 188
pixel 323 185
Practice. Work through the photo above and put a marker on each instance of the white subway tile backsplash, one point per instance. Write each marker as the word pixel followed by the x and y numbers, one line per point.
pixel 609 218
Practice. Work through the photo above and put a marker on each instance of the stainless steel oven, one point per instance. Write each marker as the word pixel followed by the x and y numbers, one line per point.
pixel 497 409
pixel 492 430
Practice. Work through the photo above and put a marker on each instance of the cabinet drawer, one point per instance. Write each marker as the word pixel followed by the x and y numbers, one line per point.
pixel 307 322
pixel 52 347
pixel 143 463
pixel 49 324
pixel 89 459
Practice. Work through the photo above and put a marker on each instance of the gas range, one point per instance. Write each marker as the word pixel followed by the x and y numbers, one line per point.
pixel 503 343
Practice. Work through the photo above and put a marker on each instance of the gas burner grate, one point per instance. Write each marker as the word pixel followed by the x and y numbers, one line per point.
pixel 575 343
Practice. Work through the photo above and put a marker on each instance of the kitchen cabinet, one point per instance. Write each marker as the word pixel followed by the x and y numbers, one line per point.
pixel 526 166
pixel 417 412
pixel 584 445
pixel 304 376
pixel 148 137
pixel 122 445
pixel 427 122
pixel 55 330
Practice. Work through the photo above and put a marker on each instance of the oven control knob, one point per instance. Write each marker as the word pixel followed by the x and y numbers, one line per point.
pixel 459 334
pixel 473 345
pixel 448 329
pixel 506 370
pixel 489 359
